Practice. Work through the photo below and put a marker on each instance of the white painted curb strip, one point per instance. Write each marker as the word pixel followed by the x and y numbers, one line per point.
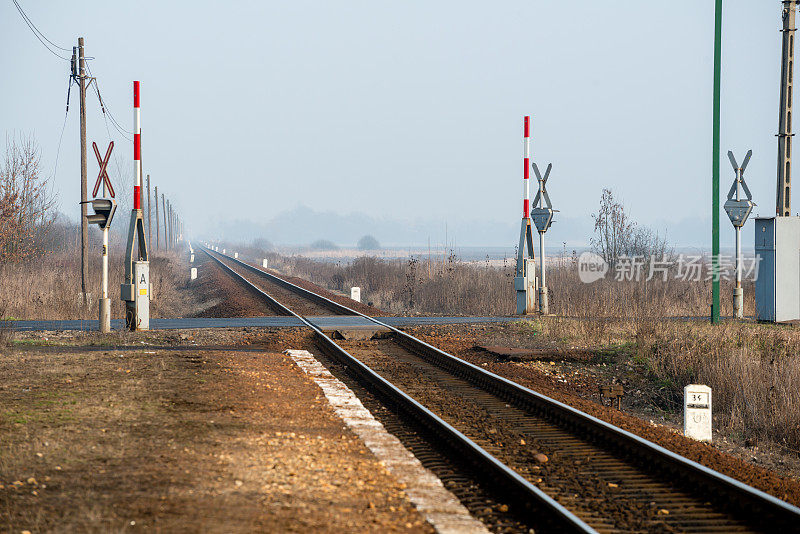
pixel 436 504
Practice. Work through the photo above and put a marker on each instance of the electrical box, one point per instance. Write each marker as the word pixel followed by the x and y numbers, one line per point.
pixel 532 285
pixel 777 247
pixel 141 274
pixel 526 287
pixel 137 297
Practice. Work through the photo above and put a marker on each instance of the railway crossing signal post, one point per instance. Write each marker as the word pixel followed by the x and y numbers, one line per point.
pixel 104 209
pixel 542 217
pixel 738 210
pixel 136 289
pixel 525 278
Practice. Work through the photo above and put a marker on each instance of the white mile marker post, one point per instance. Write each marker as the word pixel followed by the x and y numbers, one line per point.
pixel 697 412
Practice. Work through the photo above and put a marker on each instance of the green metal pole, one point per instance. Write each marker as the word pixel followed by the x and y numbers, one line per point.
pixel 715 166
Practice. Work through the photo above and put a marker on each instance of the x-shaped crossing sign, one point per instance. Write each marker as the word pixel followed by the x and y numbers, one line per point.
pixel 739 175
pixel 103 176
pixel 542 212
pixel 737 208
pixel 543 181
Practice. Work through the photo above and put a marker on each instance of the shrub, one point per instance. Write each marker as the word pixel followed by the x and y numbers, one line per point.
pixel 368 242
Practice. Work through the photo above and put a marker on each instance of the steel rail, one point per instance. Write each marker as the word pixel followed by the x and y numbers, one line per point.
pixel 731 493
pixel 719 487
pixel 515 487
pixel 319 300
pixel 274 304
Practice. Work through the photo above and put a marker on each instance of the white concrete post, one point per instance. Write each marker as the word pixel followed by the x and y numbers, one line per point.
pixel 105 302
pixel 355 293
pixel 194 273
pixel 697 412
pixel 191 258
pixel 264 263
pixel 236 255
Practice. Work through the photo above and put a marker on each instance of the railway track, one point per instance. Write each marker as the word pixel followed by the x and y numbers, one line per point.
pixel 558 468
pixel 282 297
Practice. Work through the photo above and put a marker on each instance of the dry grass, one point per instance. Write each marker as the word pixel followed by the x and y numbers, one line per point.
pixel 49 288
pixel 453 287
pixel 753 370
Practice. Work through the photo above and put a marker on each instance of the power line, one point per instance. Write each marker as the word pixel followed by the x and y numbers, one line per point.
pixel 106 111
pixel 66 113
pixel 39 35
pixel 37 29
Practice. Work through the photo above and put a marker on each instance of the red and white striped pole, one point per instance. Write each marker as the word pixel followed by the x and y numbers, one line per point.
pixel 526 158
pixel 137 149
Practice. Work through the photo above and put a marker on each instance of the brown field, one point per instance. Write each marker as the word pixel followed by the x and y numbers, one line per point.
pixel 143 431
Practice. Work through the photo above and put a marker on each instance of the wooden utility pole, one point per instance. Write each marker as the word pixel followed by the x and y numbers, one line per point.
pixel 84 205
pixel 164 209
pixel 157 244
pixel 166 223
pixel 149 226
pixel 171 236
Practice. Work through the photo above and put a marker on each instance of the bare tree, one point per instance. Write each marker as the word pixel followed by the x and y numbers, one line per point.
pixel 617 235
pixel 26 201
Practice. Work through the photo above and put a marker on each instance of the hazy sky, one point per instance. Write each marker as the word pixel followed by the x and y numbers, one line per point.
pixel 406 109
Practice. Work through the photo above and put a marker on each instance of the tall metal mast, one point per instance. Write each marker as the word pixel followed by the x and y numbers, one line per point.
pixel 783 203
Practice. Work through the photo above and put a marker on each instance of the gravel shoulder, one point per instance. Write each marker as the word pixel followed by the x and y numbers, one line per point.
pixel 174 434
